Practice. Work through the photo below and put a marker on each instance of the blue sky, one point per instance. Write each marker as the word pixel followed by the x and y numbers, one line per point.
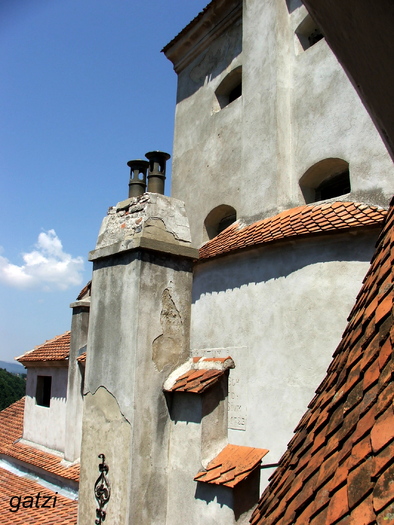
pixel 84 88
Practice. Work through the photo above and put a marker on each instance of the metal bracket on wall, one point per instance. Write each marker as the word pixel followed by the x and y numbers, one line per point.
pixel 102 491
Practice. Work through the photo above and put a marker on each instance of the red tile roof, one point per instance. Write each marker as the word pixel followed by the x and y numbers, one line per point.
pixel 56 349
pixel 232 465
pixel 11 429
pixel 12 486
pixel 85 292
pixel 338 468
pixel 82 358
pixel 310 219
pixel 203 374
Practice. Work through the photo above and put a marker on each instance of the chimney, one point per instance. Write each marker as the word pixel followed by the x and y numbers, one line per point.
pixel 157 170
pixel 137 183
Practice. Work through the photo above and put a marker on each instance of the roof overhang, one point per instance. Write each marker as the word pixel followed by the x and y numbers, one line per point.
pixel 198 35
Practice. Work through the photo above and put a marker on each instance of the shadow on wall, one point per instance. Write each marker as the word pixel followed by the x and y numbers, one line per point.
pixel 216 59
pixel 241 498
pixel 192 408
pixel 280 260
pixel 208 492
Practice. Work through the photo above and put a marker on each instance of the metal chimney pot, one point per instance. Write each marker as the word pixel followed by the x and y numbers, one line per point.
pixel 137 183
pixel 157 170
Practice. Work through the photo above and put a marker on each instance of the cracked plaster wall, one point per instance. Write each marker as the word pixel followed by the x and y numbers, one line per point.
pixel 138 334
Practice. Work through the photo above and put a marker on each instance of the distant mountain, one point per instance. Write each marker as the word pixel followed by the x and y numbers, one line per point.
pixel 14 368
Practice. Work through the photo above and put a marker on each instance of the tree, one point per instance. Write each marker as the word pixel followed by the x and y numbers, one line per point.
pixel 12 388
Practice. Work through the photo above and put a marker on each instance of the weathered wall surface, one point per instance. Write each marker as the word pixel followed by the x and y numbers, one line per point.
pixel 79 336
pixel 329 120
pixel 138 334
pixel 208 142
pixel 297 108
pixel 198 432
pixel 46 425
pixel 110 433
pixel 279 312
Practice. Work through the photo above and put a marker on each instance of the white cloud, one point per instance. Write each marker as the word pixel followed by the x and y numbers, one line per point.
pixel 47 267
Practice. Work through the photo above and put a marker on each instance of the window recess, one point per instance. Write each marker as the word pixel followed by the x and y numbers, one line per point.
pixel 43 391
pixel 229 89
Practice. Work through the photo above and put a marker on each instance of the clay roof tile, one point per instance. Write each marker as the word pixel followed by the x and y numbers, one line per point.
pixel 56 349
pixel 11 429
pixel 310 219
pixel 61 510
pixel 347 435
pixel 232 465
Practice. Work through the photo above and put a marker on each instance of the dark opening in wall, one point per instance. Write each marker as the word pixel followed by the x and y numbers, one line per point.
pixel 43 391
pixel 308 33
pixel 218 220
pixel 333 186
pixel 326 179
pixel 229 89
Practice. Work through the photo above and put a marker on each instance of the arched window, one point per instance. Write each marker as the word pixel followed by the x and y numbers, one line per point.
pixel 229 89
pixel 326 179
pixel 218 220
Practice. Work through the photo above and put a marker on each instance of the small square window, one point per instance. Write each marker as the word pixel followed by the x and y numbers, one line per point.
pixel 43 392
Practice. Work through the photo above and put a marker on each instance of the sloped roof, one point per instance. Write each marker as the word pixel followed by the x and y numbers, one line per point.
pixel 202 373
pixel 11 430
pixel 11 486
pixel 338 468
pixel 188 27
pixel 56 349
pixel 85 292
pixel 232 465
pixel 310 219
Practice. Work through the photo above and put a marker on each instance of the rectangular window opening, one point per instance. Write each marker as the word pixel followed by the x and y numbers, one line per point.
pixel 43 391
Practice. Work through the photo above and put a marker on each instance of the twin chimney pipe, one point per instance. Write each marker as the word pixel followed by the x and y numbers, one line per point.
pixel 155 166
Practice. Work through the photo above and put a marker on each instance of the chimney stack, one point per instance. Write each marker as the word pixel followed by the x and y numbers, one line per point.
pixel 137 183
pixel 157 170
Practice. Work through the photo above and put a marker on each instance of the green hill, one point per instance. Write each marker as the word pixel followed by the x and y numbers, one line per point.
pixel 12 388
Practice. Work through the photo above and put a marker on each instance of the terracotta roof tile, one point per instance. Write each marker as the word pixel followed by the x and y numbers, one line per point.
pixel 82 358
pixel 232 465
pixel 85 292
pixel 202 374
pixel 56 349
pixel 303 220
pixel 64 511
pixel 11 429
pixel 347 434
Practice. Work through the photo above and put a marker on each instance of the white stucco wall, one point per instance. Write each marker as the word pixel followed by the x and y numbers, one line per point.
pixel 296 109
pixel 279 311
pixel 46 425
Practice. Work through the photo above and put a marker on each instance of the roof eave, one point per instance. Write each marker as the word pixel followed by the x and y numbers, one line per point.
pixel 58 363
pixel 197 36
